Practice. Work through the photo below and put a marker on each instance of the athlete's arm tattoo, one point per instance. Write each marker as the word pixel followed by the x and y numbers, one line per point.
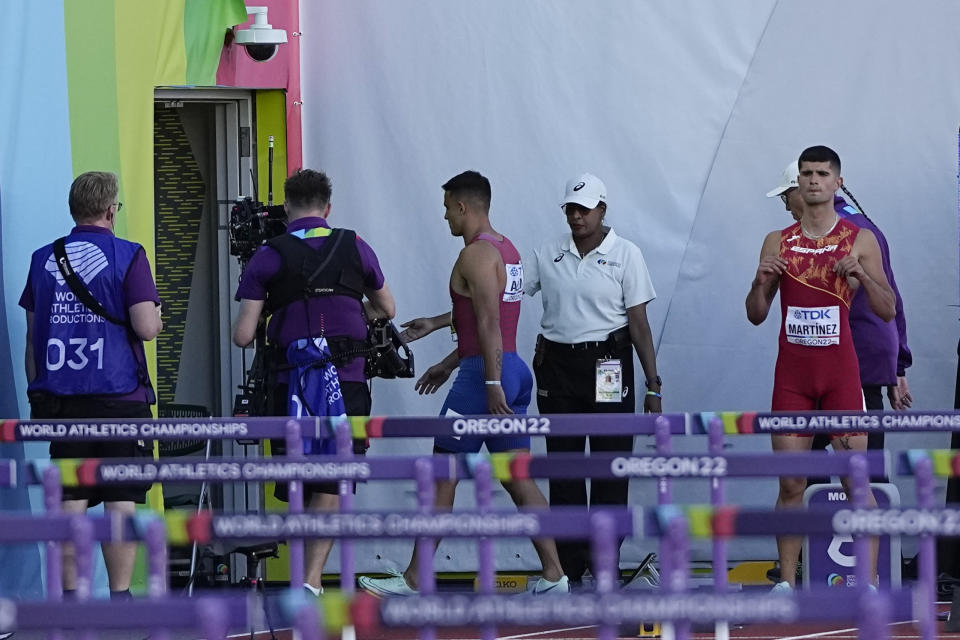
pixel 499 362
pixel 844 443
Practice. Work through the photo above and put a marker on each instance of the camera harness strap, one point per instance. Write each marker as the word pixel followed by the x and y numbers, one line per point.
pixel 83 294
pixel 76 284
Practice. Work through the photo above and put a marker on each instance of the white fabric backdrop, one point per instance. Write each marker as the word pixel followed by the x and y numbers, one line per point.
pixel 688 111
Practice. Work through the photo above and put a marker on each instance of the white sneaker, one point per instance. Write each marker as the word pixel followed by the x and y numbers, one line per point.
pixel 395 585
pixel 545 587
pixel 782 588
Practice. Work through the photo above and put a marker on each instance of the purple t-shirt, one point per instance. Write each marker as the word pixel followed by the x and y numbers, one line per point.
pixel 881 346
pixel 138 286
pixel 335 316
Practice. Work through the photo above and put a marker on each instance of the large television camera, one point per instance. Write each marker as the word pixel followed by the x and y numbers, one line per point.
pixel 389 356
pixel 251 224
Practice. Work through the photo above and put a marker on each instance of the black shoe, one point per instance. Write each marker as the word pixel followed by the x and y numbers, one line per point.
pixel 945 586
pixel 773 575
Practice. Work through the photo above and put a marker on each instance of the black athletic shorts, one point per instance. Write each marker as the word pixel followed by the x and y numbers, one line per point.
pixel 357 402
pixel 49 407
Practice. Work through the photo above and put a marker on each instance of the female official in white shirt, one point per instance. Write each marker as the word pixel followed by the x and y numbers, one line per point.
pixel 595 287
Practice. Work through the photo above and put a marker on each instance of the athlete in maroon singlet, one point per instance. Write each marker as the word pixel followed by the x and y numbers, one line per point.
pixel 464 316
pixel 486 285
pixel 469 396
pixel 817 262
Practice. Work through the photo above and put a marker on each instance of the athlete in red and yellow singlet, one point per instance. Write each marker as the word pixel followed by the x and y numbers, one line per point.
pixel 817 264
pixel 817 365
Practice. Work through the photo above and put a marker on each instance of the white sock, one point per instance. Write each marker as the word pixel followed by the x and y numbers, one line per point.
pixel 552 581
pixel 314 590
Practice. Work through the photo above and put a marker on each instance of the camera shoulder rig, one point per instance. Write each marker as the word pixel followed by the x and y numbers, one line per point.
pixel 332 270
pixel 335 269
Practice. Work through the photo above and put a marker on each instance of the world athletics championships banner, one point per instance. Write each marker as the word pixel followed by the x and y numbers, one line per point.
pixel 502 466
pixel 148 429
pixel 825 422
pixel 359 427
pixel 393 427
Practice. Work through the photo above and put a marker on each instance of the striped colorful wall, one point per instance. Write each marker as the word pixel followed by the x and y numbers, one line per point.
pixel 95 68
pixel 77 80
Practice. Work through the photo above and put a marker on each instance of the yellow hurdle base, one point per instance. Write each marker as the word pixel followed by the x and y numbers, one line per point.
pixel 750 573
pixel 649 630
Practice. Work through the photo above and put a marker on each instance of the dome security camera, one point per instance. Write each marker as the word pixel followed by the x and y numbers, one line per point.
pixel 261 40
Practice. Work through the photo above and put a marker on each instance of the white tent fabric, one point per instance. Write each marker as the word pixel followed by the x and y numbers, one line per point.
pixel 688 111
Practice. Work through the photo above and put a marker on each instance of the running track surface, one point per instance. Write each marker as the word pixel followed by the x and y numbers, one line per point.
pixel 901 630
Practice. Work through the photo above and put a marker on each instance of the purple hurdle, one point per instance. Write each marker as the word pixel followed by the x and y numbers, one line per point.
pixel 52 499
pixel 605 562
pixel 483 485
pixel 82 533
pixel 675 582
pixel 874 616
pixel 717 499
pixel 426 547
pixel 927 553
pixel 662 440
pixel 664 497
pixel 307 622
pixel 860 487
pixel 347 566
pixel 295 504
pixel 213 619
pixel 156 544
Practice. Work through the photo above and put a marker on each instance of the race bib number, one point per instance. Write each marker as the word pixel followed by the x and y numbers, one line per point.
pixel 813 326
pixel 513 291
pixel 609 381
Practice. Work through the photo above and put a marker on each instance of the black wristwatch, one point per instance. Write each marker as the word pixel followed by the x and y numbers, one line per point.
pixel 657 380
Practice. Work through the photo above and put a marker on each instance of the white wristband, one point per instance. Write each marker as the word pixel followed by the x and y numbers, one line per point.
pixel 492 382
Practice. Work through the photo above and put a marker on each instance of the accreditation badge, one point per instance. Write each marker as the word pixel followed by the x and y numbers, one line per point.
pixel 609 380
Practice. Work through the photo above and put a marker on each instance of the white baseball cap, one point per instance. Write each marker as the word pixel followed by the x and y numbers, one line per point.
pixel 788 181
pixel 587 190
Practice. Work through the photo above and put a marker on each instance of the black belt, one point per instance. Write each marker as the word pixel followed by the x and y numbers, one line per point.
pixel 616 340
pixel 342 350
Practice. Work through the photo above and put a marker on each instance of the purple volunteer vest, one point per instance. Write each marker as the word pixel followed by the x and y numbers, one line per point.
pixel 76 351
pixel 881 348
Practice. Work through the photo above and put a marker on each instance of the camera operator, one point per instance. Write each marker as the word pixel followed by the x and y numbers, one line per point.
pixel 277 283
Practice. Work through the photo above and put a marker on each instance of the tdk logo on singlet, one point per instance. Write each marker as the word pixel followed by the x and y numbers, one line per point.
pixel 813 314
